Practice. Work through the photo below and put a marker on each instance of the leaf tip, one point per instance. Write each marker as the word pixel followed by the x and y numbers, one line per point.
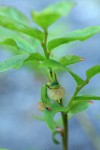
pixel 82 59
pixel 91 102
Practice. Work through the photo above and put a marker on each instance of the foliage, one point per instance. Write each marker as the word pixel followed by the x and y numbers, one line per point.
pixel 15 22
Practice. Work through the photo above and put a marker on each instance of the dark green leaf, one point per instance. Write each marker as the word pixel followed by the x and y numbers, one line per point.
pixel 92 71
pixel 52 13
pixel 54 137
pixel 80 35
pixel 78 106
pixel 16 26
pixel 87 97
pixel 19 43
pixel 12 62
pixel 13 13
pixel 70 59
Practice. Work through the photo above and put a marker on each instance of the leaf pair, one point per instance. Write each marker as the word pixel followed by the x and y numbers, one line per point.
pixel 13 19
pixel 77 106
pixel 67 60
pixel 54 65
pixel 53 108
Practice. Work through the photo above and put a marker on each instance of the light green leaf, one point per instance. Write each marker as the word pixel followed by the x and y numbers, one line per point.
pixel 35 57
pixel 19 43
pixel 52 13
pixel 55 107
pixel 50 108
pixel 11 34
pixel 79 106
pixel 54 65
pixel 16 26
pixel 70 59
pixel 50 63
pixel 12 62
pixel 54 137
pixel 87 97
pixel 77 78
pixel 49 114
pixel 13 13
pixel 59 122
pixel 44 96
pixel 80 35
pixel 92 71
pixel 6 33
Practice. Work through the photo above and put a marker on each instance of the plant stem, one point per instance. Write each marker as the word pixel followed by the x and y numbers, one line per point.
pixel 64 116
pixel 44 44
pixel 65 131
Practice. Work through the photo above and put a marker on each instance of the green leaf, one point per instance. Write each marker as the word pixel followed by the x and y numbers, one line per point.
pixel 80 35
pixel 87 97
pixel 19 43
pixel 12 62
pixel 49 114
pixel 77 78
pixel 54 138
pixel 54 65
pixel 50 14
pixel 44 96
pixel 92 71
pixel 70 59
pixel 16 26
pixel 59 122
pixel 13 13
pixel 35 57
pixel 50 63
pixel 78 106
pixel 53 108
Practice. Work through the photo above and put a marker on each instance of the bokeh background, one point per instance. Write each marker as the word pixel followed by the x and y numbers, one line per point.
pixel 20 89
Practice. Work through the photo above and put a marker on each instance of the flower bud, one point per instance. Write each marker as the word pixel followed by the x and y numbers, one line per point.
pixel 56 94
pixel 41 106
